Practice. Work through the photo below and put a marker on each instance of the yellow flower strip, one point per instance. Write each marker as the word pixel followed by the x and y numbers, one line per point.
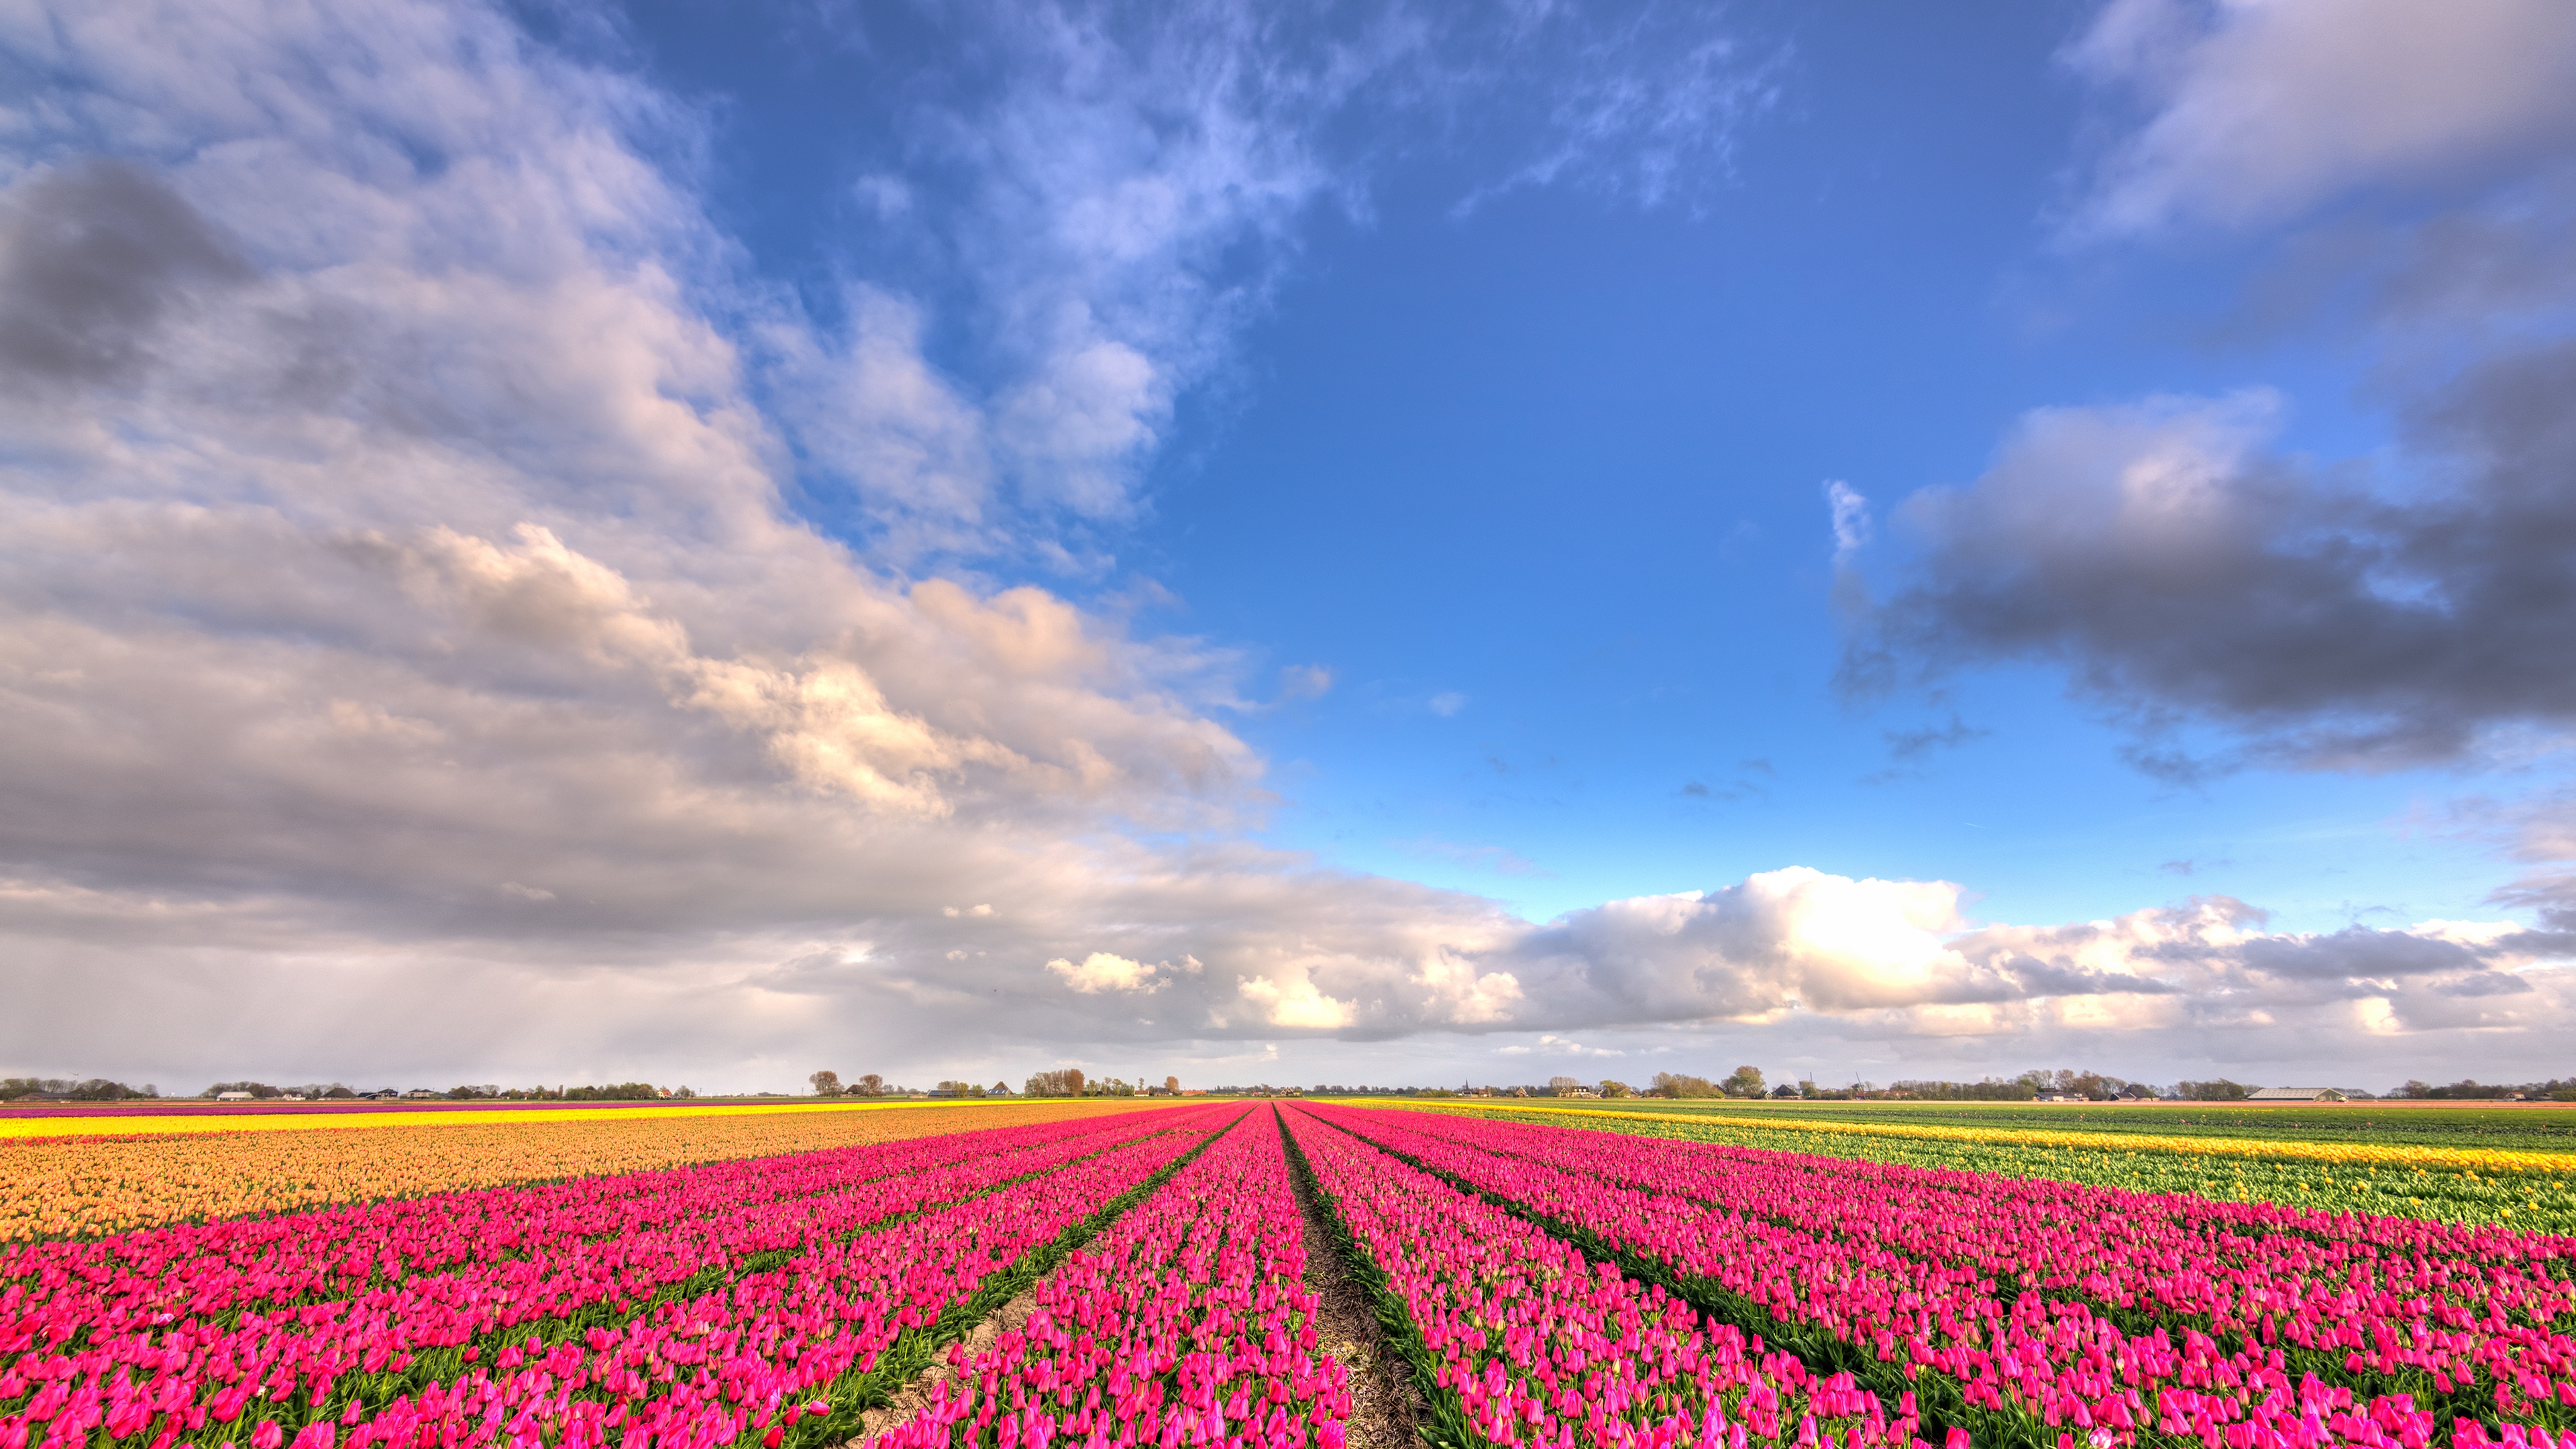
pixel 89 1185
pixel 182 1125
pixel 2472 1159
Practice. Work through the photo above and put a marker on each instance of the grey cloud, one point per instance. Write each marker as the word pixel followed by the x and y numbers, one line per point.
pixel 1912 747
pixel 92 257
pixel 2174 565
pixel 2357 951
pixel 2036 977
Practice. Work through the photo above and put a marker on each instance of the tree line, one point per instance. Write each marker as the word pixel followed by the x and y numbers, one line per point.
pixel 1061 1082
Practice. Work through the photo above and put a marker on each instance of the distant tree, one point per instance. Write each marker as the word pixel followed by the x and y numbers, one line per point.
pixel 686 1093
pixel 93 1089
pixel 622 1092
pixel 1617 1089
pixel 826 1084
pixel 2220 1090
pixel 1992 1089
pixel 1743 1082
pixel 1172 1085
pixel 1562 1085
pixel 1677 1086
pixel 1067 1082
pixel 2469 1089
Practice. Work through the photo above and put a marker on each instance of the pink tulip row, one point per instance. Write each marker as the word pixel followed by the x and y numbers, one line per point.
pixel 1531 1345
pixel 701 1369
pixel 2428 1309
pixel 691 1216
pixel 1188 1322
pixel 2274 1254
pixel 1986 1309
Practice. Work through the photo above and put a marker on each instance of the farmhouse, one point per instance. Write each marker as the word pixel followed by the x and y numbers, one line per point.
pixel 2295 1094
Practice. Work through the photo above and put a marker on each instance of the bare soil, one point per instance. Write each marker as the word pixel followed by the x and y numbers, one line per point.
pixel 1385 1407
pixel 916 1396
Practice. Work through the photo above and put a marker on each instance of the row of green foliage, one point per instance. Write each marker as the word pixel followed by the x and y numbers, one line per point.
pixel 2527 1129
pixel 2539 1202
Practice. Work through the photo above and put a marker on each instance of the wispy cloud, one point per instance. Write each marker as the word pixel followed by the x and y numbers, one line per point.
pixel 1493 858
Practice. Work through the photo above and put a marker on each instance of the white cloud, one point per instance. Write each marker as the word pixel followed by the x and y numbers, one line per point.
pixel 1296 1003
pixel 1646 105
pixel 1304 681
pixel 2261 109
pixel 1101 972
pixel 1851 517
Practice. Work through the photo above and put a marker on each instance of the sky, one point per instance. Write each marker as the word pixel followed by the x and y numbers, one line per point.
pixel 1321 543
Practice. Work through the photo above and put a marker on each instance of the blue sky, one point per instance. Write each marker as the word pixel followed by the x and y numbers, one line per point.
pixel 1557 459
pixel 956 538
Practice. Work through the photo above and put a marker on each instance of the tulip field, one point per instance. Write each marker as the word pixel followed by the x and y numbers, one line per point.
pixel 1025 1278
pixel 84 1176
pixel 2017 1311
pixel 2506 1186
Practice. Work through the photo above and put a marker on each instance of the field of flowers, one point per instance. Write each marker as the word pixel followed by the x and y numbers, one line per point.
pixel 89 1184
pixel 715 1305
pixel 1186 1322
pixel 2464 1185
pixel 1545 1288
pixel 1520 1341
pixel 2022 1311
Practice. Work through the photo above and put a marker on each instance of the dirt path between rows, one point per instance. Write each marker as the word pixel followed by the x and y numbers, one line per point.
pixel 916 1396
pixel 1385 1408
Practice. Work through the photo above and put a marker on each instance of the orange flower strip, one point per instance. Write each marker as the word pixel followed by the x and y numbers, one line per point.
pixel 77 1187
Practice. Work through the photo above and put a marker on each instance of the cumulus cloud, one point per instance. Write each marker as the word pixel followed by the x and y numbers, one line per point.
pixel 1101 971
pixel 2175 561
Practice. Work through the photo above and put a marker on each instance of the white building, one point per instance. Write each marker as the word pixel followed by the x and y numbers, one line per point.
pixel 2295 1094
